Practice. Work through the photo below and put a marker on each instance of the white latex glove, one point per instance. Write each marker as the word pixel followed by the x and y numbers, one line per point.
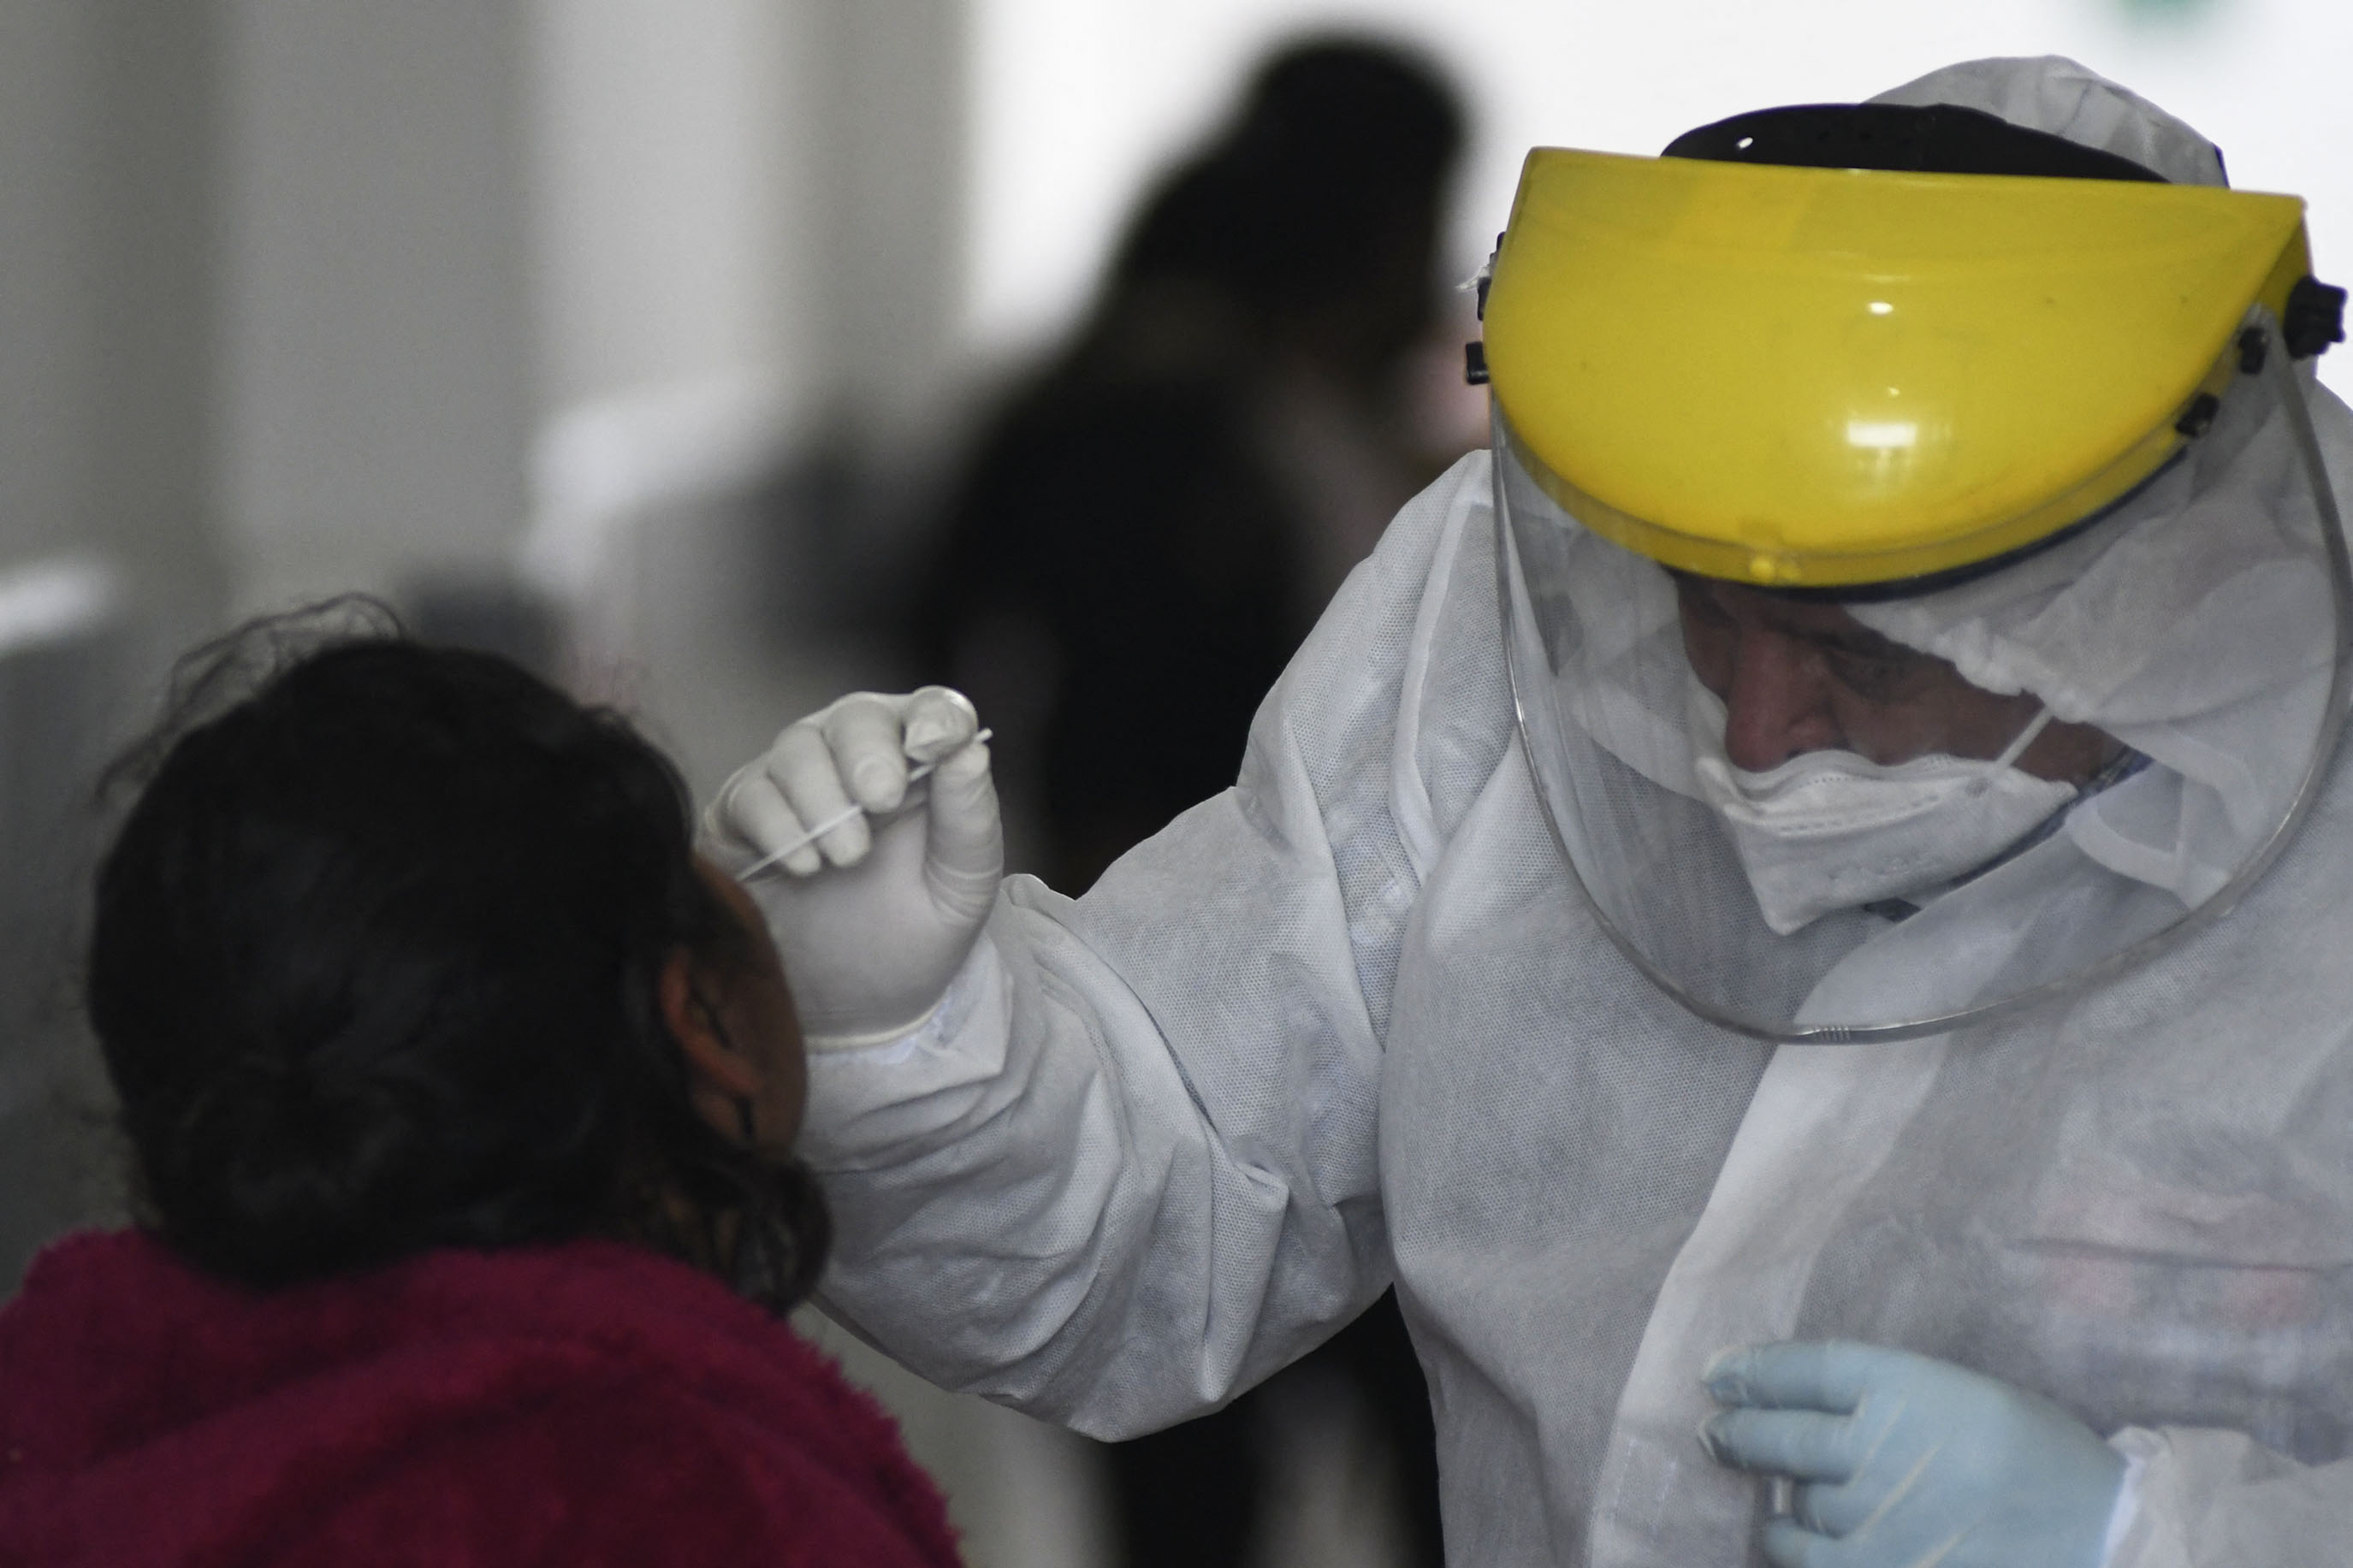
pixel 873 919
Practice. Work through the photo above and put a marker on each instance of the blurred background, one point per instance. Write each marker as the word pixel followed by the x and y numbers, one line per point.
pixel 717 356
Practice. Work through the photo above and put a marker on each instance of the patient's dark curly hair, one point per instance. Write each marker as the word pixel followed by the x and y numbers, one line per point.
pixel 374 968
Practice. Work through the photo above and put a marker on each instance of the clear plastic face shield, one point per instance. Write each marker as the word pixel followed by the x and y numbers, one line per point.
pixel 2006 701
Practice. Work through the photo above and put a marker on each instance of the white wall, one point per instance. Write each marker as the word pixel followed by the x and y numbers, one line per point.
pixel 663 250
pixel 47 104
pixel 376 383
pixel 291 287
pixel 1076 100
pixel 105 279
pixel 748 242
pixel 730 191
pixel 888 203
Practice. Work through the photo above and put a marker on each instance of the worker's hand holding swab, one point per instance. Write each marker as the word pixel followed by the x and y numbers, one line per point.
pixel 778 855
pixel 874 904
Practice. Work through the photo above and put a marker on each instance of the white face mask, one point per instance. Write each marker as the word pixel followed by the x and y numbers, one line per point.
pixel 1831 830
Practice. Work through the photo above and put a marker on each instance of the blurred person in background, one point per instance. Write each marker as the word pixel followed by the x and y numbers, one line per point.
pixel 1151 522
pixel 462 1098
pixel 1147 528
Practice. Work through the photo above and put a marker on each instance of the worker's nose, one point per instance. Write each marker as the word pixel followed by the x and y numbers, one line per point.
pixel 1779 705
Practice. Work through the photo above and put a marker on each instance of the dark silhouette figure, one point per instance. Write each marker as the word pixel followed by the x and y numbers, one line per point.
pixel 1148 527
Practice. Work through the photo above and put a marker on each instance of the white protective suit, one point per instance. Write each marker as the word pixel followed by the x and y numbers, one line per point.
pixel 1354 1018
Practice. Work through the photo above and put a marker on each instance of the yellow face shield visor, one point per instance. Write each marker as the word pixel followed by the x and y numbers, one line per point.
pixel 1839 378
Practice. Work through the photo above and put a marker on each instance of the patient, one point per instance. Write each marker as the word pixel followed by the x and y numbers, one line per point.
pixel 461 1099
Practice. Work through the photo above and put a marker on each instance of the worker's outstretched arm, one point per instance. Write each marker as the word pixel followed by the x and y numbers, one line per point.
pixel 1113 1160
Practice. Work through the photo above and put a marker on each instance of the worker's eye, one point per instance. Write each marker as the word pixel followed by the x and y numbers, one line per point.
pixel 1880 675
pixel 1698 604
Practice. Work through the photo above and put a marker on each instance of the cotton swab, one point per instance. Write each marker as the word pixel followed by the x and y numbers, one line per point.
pixel 774 857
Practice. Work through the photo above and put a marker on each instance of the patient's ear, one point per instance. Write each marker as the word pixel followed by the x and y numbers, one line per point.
pixel 721 1078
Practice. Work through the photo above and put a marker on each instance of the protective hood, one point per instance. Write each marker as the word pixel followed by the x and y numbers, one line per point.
pixel 2052 93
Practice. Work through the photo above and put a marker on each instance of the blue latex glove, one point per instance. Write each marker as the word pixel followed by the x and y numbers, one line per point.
pixel 1903 1461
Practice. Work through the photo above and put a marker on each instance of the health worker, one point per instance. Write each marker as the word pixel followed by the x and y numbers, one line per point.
pixel 1801 906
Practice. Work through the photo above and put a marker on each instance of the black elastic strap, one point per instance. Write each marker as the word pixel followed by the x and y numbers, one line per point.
pixel 1937 139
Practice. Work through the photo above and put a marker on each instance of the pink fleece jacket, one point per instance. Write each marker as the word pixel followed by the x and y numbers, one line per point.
pixel 587 1404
